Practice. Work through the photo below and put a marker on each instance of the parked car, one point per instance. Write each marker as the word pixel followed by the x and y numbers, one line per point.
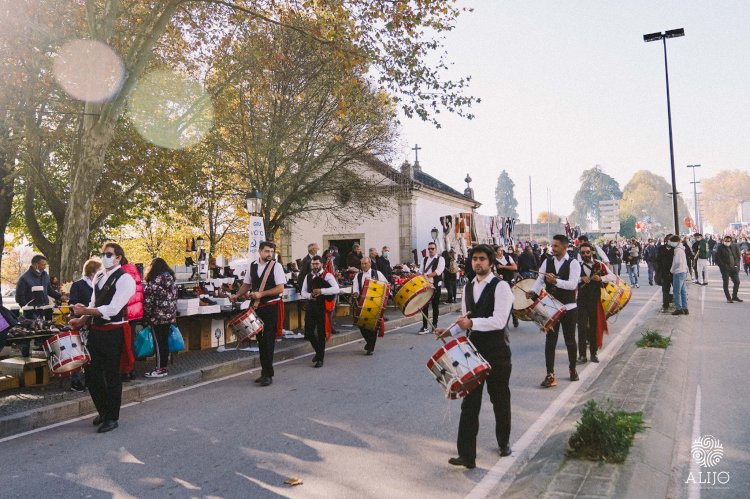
pixel 9 299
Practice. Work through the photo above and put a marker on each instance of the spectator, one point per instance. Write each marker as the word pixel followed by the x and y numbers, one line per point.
pixel 528 264
pixel 134 315
pixel 80 292
pixel 663 276
pixel 728 260
pixel 33 290
pixel 160 311
pixel 384 264
pixel 746 261
pixel 304 268
pixel 711 249
pixel 354 258
pixel 450 277
pixel 649 255
pixel 679 272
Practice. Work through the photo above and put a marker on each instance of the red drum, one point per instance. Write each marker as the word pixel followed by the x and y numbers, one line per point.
pixel 246 325
pixel 66 353
pixel 458 367
pixel 545 311
pixel 371 304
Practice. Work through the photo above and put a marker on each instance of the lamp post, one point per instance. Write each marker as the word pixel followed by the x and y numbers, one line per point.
pixel 698 218
pixel 652 37
pixel 434 233
pixel 253 202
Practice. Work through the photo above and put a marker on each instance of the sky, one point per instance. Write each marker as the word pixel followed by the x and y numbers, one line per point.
pixel 566 86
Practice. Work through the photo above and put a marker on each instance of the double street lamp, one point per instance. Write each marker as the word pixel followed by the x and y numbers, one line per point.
pixel 698 218
pixel 652 37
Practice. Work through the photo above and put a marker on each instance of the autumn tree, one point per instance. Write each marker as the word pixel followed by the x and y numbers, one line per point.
pixel 721 194
pixel 548 217
pixel 595 186
pixel 505 199
pixel 646 194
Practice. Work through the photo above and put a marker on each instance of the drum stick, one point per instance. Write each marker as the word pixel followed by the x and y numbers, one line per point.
pixel 449 327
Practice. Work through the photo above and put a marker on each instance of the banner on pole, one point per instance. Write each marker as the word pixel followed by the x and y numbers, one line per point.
pixel 257 236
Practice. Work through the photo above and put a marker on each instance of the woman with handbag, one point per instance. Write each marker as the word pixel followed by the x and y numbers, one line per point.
pixel 160 310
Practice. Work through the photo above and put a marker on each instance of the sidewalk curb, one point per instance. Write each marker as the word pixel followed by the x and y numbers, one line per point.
pixel 36 418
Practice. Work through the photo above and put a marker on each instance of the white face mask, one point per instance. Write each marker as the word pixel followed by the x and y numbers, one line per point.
pixel 108 261
pixel 386 254
pixel 673 244
pixel 727 243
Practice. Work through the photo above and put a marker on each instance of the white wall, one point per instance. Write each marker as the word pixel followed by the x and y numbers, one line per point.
pixel 430 207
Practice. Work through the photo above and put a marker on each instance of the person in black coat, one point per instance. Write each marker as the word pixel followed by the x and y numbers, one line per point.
pixel 663 275
pixel 304 268
pixel 80 292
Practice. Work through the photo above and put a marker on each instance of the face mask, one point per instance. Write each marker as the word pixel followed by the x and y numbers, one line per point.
pixel 673 244
pixel 386 254
pixel 108 261
pixel 727 243
pixel 37 272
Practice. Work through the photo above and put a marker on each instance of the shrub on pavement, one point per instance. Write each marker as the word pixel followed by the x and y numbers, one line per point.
pixel 653 339
pixel 604 433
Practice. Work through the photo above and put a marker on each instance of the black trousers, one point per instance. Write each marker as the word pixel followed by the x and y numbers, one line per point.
pixel 435 303
pixel 103 373
pixel 490 345
pixel 666 285
pixel 450 286
pixel 568 323
pixel 161 340
pixel 587 325
pixel 732 273
pixel 370 338
pixel 315 331
pixel 267 339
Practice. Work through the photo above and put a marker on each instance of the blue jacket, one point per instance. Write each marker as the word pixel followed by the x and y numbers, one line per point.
pixel 80 292
pixel 28 280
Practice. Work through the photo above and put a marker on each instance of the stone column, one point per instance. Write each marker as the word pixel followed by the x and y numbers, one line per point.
pixel 407 222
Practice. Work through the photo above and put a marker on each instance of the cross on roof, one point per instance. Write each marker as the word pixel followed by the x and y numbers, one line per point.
pixel 416 150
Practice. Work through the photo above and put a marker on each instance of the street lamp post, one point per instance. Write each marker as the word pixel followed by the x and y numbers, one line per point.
pixel 698 218
pixel 652 37
pixel 434 233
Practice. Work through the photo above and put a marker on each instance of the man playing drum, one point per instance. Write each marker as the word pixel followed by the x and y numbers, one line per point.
pixel 318 287
pixel 559 276
pixel 592 323
pixel 432 268
pixel 357 284
pixel 485 308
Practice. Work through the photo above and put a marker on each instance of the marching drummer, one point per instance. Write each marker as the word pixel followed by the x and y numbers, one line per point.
pixel 357 284
pixel 318 287
pixel 485 309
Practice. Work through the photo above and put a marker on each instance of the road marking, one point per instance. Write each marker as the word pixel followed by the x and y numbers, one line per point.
pixel 694 489
pixel 186 388
pixel 529 440
pixel 703 298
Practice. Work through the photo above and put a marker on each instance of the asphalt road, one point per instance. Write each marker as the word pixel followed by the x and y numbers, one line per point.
pixel 359 427
pixel 719 353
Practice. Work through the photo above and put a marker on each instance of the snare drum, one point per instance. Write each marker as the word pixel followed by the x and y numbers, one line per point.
pixel 65 353
pixel 458 367
pixel 413 295
pixel 246 325
pixel 371 304
pixel 546 311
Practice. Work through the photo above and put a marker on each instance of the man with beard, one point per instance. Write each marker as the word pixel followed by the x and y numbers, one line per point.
pixel 486 304
pixel 663 276
pixel 592 323
pixel 268 275
pixel 318 287
pixel 359 281
pixel 728 259
pixel 559 276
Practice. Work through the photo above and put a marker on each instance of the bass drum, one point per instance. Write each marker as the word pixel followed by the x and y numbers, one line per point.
pixel 413 295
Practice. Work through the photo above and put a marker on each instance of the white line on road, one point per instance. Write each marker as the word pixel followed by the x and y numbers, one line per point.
pixel 529 440
pixel 184 389
pixel 694 489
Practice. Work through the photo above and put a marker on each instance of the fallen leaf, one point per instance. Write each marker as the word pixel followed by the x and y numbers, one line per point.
pixel 293 481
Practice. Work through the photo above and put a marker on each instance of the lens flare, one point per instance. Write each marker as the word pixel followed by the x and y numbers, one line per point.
pixel 88 70
pixel 170 110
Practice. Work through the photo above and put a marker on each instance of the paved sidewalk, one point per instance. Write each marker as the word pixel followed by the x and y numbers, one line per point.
pixel 24 409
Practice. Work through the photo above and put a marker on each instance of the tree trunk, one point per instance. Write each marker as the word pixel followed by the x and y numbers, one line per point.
pixel 75 244
pixel 7 192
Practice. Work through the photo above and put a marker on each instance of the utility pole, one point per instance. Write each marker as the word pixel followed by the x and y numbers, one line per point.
pixel 696 214
pixel 531 214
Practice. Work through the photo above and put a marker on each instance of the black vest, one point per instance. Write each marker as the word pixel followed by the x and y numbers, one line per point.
pixel 483 308
pixel 591 291
pixel 373 275
pixel 317 282
pixel 564 295
pixel 438 279
pixel 256 279
pixel 104 297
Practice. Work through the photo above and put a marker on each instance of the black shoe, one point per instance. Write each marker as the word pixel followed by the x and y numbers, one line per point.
pixel 594 358
pixel 729 300
pixel 677 312
pixel 582 359
pixel 462 461
pixel 315 358
pixel 369 352
pixel 97 421
pixel 107 426
pixel 737 299
pixel 266 381
pixel 319 363
pixel 77 386
pixel 574 375
pixel 685 311
pixel 125 377
pixel 260 379
pixel 505 451
pixel 515 321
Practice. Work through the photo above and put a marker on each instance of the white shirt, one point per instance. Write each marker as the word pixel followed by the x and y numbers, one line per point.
pixel 355 283
pixel 329 278
pixel 570 284
pixel 124 290
pixel 501 312
pixel 608 277
pixel 278 273
pixel 427 266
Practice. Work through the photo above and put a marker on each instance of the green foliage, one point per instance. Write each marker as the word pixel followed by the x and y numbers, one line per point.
pixel 653 339
pixel 595 186
pixel 646 194
pixel 504 196
pixel 627 225
pixel 604 433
